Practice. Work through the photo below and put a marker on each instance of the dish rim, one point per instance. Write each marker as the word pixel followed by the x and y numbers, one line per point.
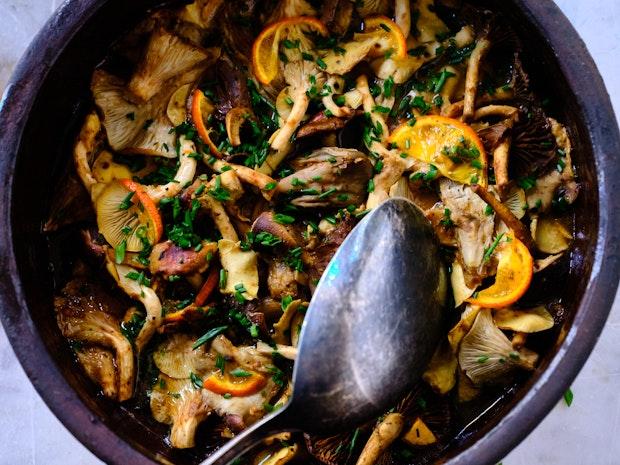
pixel 585 83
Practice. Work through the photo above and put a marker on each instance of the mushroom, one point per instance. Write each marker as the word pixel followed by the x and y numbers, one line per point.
pixel 176 357
pixel 297 75
pixel 135 286
pixel 336 449
pixel 372 7
pixel 337 15
pixel 281 456
pixel 460 289
pixel 472 76
pixel 462 327
pixel 201 12
pixel 281 279
pixel 530 320
pixel 473 228
pixel 466 389
pixel 329 176
pixel 84 150
pixel 130 127
pixel 99 365
pixel 282 327
pixel 240 268
pixel 551 235
pixel 84 313
pixel 486 355
pixel 166 57
pixel 441 371
pixel 503 212
pixel 120 220
pixel 402 15
pixel 383 435
pixel 534 147
pixel 176 110
pixel 234 120
pixel 248 175
pixel 266 223
pixel 176 402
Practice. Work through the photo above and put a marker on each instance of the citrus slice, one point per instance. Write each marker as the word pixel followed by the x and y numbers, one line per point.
pixel 389 38
pixel 514 274
pixel 450 145
pixel 126 214
pixel 237 386
pixel 266 47
pixel 201 108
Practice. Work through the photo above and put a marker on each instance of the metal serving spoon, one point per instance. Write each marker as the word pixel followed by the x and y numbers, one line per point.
pixel 371 328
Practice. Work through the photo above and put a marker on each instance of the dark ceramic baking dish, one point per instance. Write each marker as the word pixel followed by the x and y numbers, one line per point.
pixel 45 99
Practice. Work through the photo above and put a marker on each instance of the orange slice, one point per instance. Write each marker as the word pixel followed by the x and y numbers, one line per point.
pixel 449 144
pixel 389 37
pixel 266 47
pixel 200 110
pixel 235 386
pixel 514 274
pixel 156 223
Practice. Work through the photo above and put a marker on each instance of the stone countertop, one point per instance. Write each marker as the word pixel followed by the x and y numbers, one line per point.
pixel 31 435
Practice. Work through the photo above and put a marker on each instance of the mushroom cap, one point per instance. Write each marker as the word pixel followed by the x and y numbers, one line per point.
pixel 175 357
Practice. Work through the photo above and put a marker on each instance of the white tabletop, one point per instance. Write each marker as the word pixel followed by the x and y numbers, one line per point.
pixel 585 433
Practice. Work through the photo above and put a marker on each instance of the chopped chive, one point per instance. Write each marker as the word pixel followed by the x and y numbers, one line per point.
pixel 206 337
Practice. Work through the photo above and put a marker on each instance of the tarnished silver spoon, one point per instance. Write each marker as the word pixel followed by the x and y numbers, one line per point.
pixel 371 328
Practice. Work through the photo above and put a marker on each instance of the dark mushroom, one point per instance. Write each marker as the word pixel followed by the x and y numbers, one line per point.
pixel 534 147
pixel 266 223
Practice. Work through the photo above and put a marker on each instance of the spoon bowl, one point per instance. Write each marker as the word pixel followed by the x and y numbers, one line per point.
pixel 371 328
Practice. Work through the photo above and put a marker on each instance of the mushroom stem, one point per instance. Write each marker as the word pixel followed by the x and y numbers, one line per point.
pixel 184 175
pixel 250 176
pixel 500 164
pixel 384 434
pixel 220 217
pixel 506 111
pixel 471 79
pixel 504 213
pixel 141 293
pixel 84 148
pixel 283 135
pixel 402 13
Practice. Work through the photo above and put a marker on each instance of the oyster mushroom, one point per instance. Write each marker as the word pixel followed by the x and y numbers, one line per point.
pixel 130 127
pixel 473 227
pixel 486 355
pixel 176 357
pixel 530 320
pixel 551 235
pixel 282 327
pixel 337 15
pixel 441 371
pixel 241 269
pixel 99 365
pixel 279 457
pixel 372 7
pixel 534 147
pixel 297 76
pixel 328 176
pixel 85 313
pixel 136 286
pixel 176 402
pixel 166 57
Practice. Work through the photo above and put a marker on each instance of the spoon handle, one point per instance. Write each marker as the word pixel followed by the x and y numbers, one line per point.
pixel 249 438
